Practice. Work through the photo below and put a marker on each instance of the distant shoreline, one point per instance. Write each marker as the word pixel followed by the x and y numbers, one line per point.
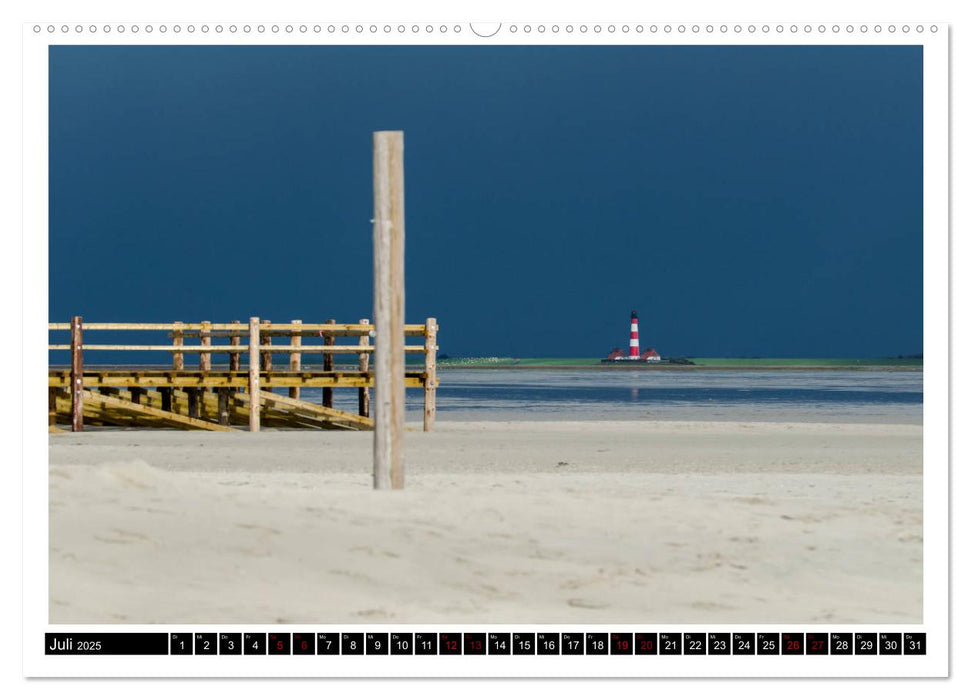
pixel 748 364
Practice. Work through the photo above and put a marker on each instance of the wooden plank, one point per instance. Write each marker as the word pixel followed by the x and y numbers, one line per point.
pixel 77 376
pixel 235 380
pixel 254 373
pixel 431 380
pixel 330 414
pixel 230 349
pixel 327 395
pixel 107 402
pixel 295 360
pixel 364 393
pixel 389 307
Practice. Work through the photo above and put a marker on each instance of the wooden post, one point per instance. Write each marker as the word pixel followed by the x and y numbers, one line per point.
pixel 389 309
pixel 205 358
pixel 194 394
pixel 364 393
pixel 266 356
pixel 254 374
pixel 295 339
pixel 136 394
pixel 178 361
pixel 51 407
pixel 205 364
pixel 77 376
pixel 166 392
pixel 327 395
pixel 431 347
pixel 234 357
pixel 223 396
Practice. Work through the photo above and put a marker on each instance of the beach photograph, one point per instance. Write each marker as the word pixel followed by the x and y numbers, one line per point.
pixel 486 335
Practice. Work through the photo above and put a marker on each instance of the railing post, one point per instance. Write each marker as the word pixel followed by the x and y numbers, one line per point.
pixel 431 346
pixel 364 393
pixel 266 356
pixel 178 361
pixel 389 309
pixel 205 365
pixel 77 376
pixel 254 374
pixel 234 357
pixel 235 362
pixel 205 339
pixel 327 398
pixel 295 339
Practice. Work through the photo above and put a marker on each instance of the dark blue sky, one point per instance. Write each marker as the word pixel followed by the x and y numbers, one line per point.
pixel 752 201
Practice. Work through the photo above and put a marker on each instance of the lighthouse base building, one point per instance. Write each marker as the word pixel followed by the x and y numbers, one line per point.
pixel 633 353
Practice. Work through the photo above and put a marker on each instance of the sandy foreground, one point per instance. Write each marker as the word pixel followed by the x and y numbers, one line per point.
pixel 584 522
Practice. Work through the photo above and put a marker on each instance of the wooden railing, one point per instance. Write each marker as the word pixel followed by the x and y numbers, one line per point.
pixel 252 341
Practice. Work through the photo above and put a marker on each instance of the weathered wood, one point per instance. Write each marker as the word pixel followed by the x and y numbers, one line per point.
pixel 223 410
pixel 193 349
pixel 97 400
pixel 364 393
pixel 431 380
pixel 51 406
pixel 327 395
pixel 332 414
pixel 205 358
pixel 166 393
pixel 266 355
pixel 234 357
pixel 193 329
pixel 193 402
pixel 389 307
pixel 77 376
pixel 295 360
pixel 136 394
pixel 238 380
pixel 178 359
pixel 254 373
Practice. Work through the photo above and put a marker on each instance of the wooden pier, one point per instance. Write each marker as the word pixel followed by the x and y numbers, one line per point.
pixel 221 396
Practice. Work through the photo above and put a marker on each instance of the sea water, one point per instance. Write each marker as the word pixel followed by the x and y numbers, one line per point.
pixel 857 396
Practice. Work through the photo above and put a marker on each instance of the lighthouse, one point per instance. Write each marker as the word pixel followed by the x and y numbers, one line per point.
pixel 635 346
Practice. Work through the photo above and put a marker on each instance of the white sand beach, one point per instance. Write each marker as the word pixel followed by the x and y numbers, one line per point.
pixel 570 522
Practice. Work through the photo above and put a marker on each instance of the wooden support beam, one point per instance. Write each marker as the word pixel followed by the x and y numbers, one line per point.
pixel 254 374
pixel 77 376
pixel 364 393
pixel 331 414
pixel 194 402
pixel 178 359
pixel 151 379
pixel 327 395
pixel 266 356
pixel 205 358
pixel 389 309
pixel 166 393
pixel 223 410
pixel 112 402
pixel 234 357
pixel 295 360
pixel 431 380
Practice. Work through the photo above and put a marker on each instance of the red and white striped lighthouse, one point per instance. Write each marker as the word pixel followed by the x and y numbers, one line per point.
pixel 635 346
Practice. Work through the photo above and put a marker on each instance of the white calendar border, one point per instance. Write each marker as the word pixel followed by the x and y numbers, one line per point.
pixel 936 51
